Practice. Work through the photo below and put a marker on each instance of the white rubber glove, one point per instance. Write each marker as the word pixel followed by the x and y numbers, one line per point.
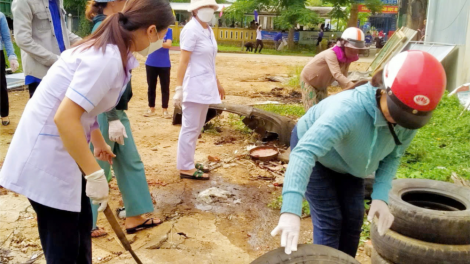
pixel 97 189
pixel 289 226
pixel 178 97
pixel 117 132
pixel 380 208
pixel 14 65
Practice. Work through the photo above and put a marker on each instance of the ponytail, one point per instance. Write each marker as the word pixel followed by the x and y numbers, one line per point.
pixel 94 8
pixel 117 28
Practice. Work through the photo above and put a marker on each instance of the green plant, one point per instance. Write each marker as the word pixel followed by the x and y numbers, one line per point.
pixel 236 123
pixel 276 204
pixel 441 147
pixel 294 73
pixel 365 233
pixel 289 110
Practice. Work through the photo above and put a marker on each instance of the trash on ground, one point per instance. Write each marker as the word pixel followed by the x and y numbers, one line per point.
pixel 225 140
pixel 264 153
pixel 213 194
pixel 213 158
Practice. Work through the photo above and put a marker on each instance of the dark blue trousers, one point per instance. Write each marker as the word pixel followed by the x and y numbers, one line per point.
pixel 65 236
pixel 336 205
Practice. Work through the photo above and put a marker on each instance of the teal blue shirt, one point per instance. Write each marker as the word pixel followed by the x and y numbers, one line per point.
pixel 346 133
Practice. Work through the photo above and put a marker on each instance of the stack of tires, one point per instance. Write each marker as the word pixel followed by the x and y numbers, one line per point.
pixel 432 224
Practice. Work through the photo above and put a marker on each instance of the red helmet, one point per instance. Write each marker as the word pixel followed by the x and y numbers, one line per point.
pixel 415 82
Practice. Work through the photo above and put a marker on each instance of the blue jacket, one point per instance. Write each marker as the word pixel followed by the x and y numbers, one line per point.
pixel 346 133
pixel 5 38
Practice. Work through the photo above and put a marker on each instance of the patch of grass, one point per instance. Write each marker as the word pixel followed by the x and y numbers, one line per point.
pixel 294 80
pixel 441 147
pixel 276 204
pixel 267 51
pixel 236 123
pixel 289 110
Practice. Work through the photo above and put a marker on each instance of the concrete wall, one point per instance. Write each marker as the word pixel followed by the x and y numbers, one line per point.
pixel 449 22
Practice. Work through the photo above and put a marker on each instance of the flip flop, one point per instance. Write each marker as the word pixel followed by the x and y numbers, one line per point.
pixel 96 229
pixel 6 122
pixel 200 167
pixel 143 226
pixel 197 175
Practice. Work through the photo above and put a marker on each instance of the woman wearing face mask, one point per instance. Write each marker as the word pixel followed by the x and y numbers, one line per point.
pixel 347 137
pixel 49 153
pixel 330 65
pixel 197 84
pixel 116 130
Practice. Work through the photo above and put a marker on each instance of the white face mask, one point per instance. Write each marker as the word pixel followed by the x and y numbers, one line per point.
pixel 152 47
pixel 205 14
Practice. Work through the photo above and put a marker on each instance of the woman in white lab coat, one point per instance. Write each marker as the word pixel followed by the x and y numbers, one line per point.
pixel 49 153
pixel 197 84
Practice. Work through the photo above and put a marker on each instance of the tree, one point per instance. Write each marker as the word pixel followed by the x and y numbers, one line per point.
pixel 290 13
pixel 375 6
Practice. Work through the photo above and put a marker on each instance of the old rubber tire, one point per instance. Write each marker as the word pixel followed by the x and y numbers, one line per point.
pixel 400 249
pixel 449 221
pixel 377 259
pixel 306 254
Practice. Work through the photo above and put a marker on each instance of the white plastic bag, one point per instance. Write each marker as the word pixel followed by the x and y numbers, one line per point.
pixel 463 93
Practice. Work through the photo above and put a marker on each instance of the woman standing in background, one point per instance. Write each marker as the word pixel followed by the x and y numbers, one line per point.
pixel 259 40
pixel 197 84
pixel 14 65
pixel 158 65
pixel 116 130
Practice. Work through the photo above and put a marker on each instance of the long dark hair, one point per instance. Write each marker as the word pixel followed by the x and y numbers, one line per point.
pixel 117 28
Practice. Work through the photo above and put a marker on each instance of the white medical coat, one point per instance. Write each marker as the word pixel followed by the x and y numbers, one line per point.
pixel 37 165
pixel 200 83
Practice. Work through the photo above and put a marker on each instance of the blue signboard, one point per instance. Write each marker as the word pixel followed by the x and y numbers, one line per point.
pixel 269 35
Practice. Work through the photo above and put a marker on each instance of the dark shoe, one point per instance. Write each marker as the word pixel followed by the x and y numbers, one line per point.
pixel 143 226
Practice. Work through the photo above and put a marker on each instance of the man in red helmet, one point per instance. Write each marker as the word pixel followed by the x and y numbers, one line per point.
pixel 351 135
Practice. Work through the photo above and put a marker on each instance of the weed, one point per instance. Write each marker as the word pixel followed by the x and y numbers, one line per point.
pixel 441 147
pixel 236 123
pixel 365 233
pixel 289 110
pixel 294 80
pixel 276 204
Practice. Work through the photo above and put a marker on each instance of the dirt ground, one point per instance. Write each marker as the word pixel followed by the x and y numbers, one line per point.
pixel 233 230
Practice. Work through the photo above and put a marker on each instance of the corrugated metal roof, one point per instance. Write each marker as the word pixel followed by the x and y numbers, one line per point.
pixel 439 51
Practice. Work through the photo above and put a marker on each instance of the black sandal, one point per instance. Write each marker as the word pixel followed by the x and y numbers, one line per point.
pixel 200 167
pixel 143 226
pixel 197 175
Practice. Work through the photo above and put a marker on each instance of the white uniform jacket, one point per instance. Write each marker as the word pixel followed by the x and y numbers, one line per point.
pixel 37 165
pixel 200 83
